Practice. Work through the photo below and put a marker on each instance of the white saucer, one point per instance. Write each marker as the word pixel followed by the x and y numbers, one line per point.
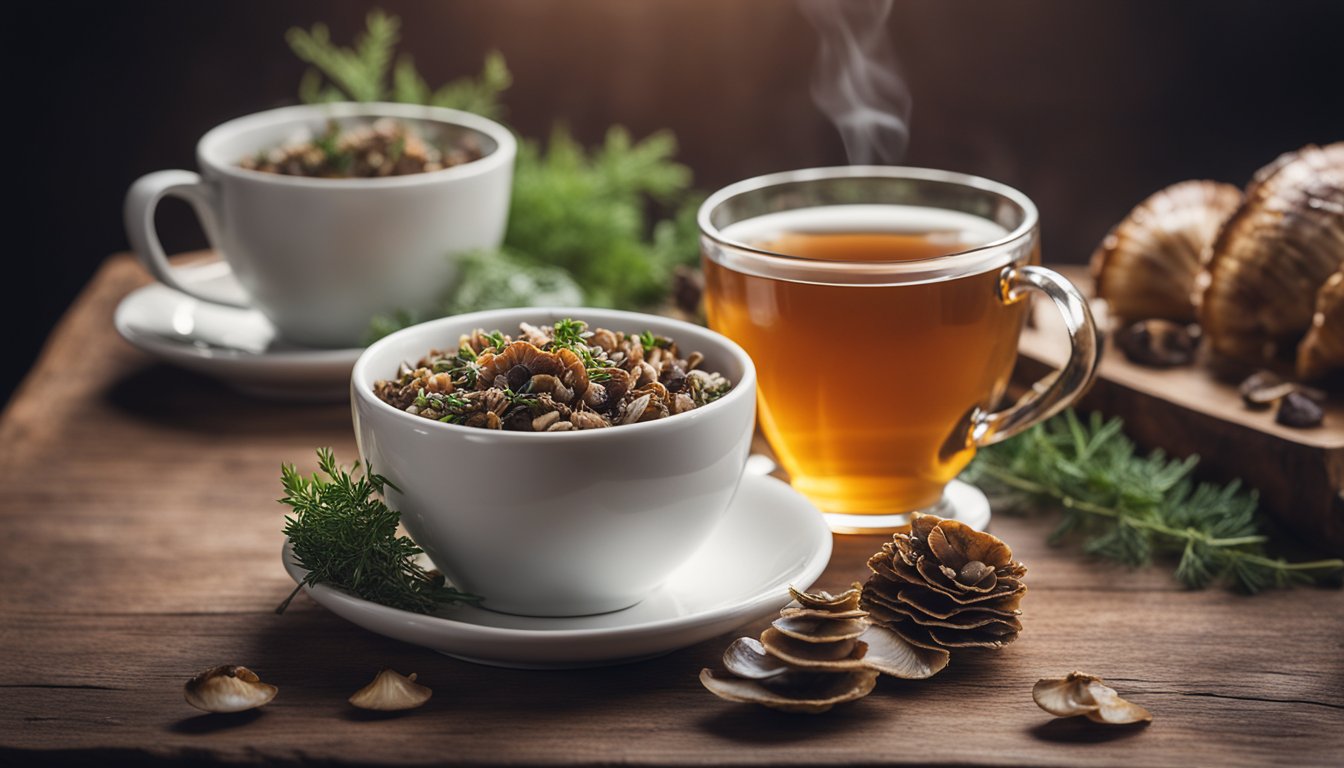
pixel 236 346
pixel 770 537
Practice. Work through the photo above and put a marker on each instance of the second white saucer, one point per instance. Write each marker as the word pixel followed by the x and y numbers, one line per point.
pixel 236 346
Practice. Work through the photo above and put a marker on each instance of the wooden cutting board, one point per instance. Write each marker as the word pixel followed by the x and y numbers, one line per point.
pixel 1299 472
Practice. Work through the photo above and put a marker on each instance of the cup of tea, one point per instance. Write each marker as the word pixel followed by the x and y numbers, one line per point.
pixel 320 257
pixel 882 307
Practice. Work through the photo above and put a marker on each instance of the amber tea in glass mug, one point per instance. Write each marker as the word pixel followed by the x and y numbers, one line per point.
pixel 882 307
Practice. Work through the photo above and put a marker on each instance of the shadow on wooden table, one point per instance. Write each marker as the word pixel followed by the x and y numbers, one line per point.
pixel 750 724
pixel 214 723
pixel 169 396
pixel 1080 730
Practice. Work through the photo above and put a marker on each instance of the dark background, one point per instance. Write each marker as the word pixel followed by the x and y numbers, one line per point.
pixel 1085 106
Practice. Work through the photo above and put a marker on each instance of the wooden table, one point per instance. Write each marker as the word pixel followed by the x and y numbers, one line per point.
pixel 140 544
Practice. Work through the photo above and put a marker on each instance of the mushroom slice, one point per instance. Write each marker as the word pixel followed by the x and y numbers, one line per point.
pixel 846 654
pixel 1321 353
pixel 820 630
pixel 836 689
pixel 228 688
pixel 941 606
pixel 813 613
pixel 391 692
pixel 1087 695
pixel 746 657
pixel 1147 266
pixel 1273 255
pixel 845 601
pixel 891 654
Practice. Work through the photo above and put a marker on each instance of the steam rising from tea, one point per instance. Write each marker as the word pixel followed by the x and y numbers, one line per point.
pixel 856 82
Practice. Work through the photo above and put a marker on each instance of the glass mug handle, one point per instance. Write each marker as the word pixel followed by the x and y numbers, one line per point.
pixel 1055 392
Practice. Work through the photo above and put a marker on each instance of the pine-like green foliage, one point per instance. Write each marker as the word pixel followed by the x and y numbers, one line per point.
pixel 361 73
pixel 346 537
pixel 586 212
pixel 1130 508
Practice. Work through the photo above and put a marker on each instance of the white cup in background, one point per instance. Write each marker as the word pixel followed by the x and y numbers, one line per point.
pixel 321 257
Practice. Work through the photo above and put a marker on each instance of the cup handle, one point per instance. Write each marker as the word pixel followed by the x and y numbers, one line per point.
pixel 141 201
pixel 1055 392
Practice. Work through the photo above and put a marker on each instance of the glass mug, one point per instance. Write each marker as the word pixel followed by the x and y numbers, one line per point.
pixel 882 307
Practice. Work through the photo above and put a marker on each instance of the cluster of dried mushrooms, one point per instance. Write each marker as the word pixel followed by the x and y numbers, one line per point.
pixel 1260 272
pixel 821 651
pixel 941 586
pixel 946 585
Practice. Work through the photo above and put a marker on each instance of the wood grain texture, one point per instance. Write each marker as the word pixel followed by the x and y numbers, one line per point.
pixel 141 544
pixel 1189 410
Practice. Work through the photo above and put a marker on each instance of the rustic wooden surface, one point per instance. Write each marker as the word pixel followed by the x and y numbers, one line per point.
pixel 141 544
pixel 1189 410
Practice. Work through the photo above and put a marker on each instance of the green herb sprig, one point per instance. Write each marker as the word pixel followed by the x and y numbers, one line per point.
pixel 573 335
pixel 580 227
pixel 360 73
pixel 346 537
pixel 1129 508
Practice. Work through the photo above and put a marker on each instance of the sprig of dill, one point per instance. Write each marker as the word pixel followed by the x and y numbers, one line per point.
pixel 346 537
pixel 1129 508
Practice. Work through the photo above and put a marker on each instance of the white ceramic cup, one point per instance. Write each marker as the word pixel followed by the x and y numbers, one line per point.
pixel 321 257
pixel 558 523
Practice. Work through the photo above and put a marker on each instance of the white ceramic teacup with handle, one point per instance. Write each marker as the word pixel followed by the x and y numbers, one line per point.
pixel 321 257
pixel 557 523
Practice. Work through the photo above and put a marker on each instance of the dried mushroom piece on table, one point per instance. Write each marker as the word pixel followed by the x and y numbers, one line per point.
pixel 1146 266
pixel 391 692
pixel 820 652
pixel 1087 695
pixel 228 688
pixel 946 585
pixel 1273 255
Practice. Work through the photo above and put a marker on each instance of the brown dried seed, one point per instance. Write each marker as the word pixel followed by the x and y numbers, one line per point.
pixel 604 340
pixel 1158 343
pixel 1260 380
pixel 587 420
pixel 545 420
pixel 595 396
pixel 635 409
pixel 1299 411
pixel 1262 398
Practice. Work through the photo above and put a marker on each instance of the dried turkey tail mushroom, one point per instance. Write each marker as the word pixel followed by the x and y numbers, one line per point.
pixel 391 692
pixel 1273 255
pixel 1146 267
pixel 1320 356
pixel 945 585
pixel 1087 695
pixel 228 688
pixel 820 652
